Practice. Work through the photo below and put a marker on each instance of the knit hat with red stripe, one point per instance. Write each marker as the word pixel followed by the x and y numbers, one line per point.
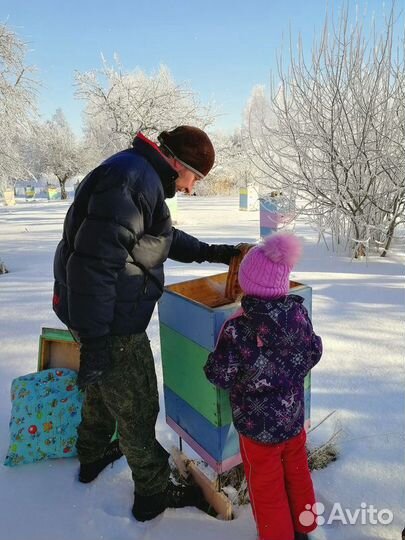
pixel 191 146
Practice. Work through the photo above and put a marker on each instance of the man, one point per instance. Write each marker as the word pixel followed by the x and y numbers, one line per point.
pixel 108 276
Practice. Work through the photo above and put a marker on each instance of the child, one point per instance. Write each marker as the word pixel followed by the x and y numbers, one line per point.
pixel 262 355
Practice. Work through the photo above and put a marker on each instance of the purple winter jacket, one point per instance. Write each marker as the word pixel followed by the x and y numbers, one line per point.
pixel 263 356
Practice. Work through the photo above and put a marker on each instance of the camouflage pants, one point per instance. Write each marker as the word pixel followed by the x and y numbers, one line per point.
pixel 127 395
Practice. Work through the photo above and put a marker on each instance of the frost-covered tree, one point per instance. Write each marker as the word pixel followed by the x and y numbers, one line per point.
pixel 332 129
pixel 233 168
pixel 120 103
pixel 221 178
pixel 59 150
pixel 31 152
pixel 17 103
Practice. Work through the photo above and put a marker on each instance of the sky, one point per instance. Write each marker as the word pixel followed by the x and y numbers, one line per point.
pixel 220 48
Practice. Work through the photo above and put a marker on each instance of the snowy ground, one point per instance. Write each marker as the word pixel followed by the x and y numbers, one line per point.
pixel 358 309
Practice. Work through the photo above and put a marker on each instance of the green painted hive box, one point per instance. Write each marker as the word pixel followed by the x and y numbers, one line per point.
pixel 191 315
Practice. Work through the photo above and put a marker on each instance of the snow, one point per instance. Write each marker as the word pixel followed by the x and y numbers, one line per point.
pixel 358 309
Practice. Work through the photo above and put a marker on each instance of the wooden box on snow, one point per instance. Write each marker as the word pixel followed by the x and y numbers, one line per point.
pixel 191 315
pixel 57 348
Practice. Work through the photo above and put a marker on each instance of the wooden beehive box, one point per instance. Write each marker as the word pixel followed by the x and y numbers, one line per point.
pixel 191 314
pixel 268 217
pixel 57 348
pixel 276 211
pixel 248 198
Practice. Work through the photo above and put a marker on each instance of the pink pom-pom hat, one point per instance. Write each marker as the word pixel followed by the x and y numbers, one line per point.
pixel 265 270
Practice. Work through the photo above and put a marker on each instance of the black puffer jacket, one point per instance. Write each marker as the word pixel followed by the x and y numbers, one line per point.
pixel 108 266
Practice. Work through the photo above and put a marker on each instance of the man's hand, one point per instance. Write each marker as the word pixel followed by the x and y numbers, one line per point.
pixel 95 360
pixel 221 253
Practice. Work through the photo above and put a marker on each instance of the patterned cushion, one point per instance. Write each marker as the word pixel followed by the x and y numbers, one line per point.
pixel 46 410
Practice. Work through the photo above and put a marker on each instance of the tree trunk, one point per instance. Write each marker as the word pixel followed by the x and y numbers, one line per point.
pixel 359 249
pixel 390 236
pixel 63 192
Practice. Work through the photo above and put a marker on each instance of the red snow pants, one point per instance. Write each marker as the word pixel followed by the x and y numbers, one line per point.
pixel 280 486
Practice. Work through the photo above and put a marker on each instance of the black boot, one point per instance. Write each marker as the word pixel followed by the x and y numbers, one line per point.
pixel 180 496
pixel 301 536
pixel 89 471
pixel 147 507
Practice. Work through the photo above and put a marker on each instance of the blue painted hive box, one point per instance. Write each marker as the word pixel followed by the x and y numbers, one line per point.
pixel 248 198
pixel 191 315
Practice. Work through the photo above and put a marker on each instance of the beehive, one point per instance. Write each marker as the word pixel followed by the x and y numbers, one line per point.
pixel 275 212
pixel 191 315
pixel 248 198
pixel 268 216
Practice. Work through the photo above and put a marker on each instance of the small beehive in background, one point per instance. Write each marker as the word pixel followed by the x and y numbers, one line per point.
pixel 268 216
pixel 9 197
pixel 191 315
pixel 276 210
pixel 29 193
pixel 53 193
pixel 248 198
